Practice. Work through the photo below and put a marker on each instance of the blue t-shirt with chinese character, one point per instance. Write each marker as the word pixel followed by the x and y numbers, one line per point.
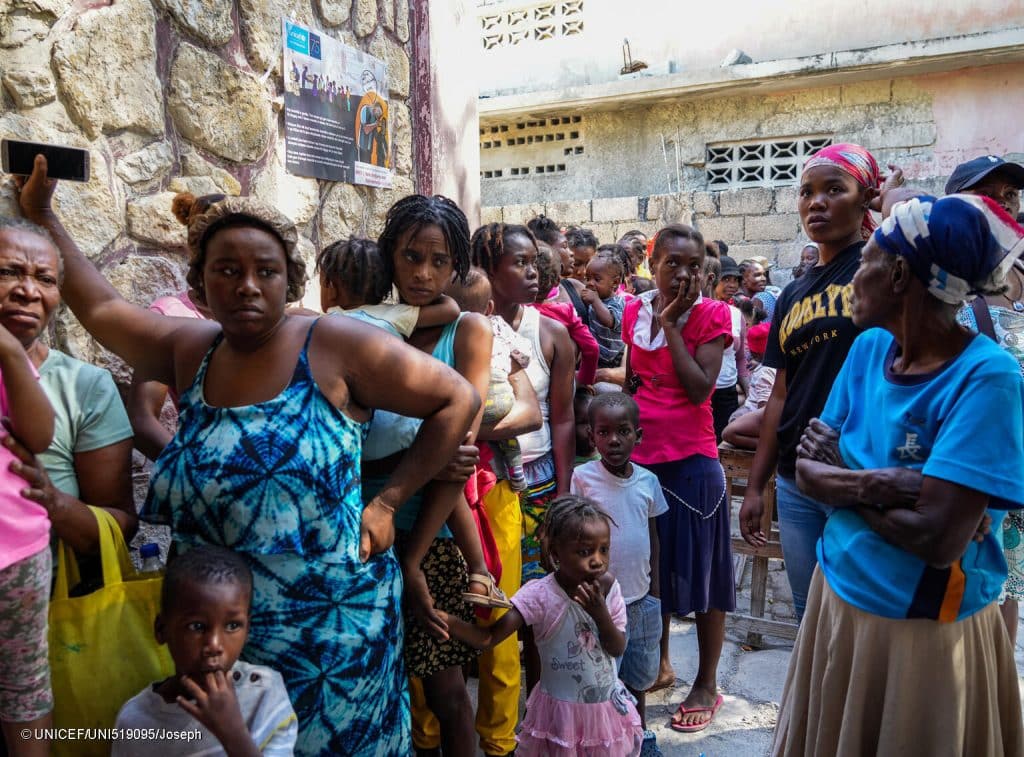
pixel 962 423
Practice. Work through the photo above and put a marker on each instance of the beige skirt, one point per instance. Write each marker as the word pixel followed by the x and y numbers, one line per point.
pixel 859 684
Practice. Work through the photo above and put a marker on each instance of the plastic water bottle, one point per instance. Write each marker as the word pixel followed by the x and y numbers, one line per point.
pixel 150 554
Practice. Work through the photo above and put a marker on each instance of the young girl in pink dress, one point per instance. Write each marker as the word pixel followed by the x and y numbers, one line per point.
pixel 578 616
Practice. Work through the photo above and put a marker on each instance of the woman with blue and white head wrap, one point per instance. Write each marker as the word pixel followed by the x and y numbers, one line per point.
pixel 920 450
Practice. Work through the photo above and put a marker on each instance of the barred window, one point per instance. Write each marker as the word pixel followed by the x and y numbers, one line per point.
pixel 536 22
pixel 761 163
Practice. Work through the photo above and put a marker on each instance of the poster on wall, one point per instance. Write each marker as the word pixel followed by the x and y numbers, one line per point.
pixel 336 123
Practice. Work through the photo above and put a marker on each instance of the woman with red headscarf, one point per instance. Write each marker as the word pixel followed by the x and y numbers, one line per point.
pixel 811 333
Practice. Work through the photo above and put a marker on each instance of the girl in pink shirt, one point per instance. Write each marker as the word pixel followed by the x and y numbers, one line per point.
pixel 565 313
pixel 26 700
pixel 675 340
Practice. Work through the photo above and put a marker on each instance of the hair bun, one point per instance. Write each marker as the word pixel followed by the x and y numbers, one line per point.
pixel 182 206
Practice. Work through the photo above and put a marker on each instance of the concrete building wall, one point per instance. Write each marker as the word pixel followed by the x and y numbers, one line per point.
pixel 752 221
pixel 927 124
pixel 672 36
pixel 625 178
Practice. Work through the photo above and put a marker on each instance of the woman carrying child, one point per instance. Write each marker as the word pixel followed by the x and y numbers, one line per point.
pixel 675 341
pixel 424 245
pixel 578 617
pixel 508 254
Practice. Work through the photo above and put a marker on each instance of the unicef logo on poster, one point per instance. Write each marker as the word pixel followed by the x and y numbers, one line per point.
pixel 314 45
pixel 298 39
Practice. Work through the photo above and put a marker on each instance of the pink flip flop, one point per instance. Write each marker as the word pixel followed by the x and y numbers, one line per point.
pixel 691 710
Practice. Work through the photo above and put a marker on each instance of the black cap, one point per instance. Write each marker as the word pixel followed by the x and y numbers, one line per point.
pixel 966 175
pixel 729 267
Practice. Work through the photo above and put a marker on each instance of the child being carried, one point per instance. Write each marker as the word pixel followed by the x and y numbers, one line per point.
pixel 510 353
pixel 354 282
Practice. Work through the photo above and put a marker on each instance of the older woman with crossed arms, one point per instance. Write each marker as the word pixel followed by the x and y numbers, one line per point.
pixel 919 449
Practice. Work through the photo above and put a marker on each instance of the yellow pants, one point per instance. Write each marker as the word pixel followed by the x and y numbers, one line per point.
pixel 497 710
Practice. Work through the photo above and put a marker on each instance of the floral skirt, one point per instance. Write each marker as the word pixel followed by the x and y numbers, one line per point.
pixel 540 490
pixel 447 577
pixel 25 692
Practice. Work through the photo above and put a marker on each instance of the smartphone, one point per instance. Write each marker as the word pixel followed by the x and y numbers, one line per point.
pixel 67 163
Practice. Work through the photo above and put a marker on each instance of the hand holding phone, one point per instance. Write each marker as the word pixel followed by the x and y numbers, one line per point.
pixel 68 163
pixel 35 192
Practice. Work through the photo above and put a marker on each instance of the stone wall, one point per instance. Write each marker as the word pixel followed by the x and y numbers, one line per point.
pixel 174 95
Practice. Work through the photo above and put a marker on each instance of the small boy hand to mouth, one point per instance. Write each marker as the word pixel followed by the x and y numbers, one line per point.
pixel 204 620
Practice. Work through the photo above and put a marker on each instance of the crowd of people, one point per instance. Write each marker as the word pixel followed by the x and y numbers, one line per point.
pixel 497 451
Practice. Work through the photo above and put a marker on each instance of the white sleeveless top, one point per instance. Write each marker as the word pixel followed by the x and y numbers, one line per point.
pixel 537 443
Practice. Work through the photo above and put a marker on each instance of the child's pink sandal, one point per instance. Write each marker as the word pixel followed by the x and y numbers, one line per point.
pixel 495 597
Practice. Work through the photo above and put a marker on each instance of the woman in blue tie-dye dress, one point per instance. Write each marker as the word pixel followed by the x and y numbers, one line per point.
pixel 266 457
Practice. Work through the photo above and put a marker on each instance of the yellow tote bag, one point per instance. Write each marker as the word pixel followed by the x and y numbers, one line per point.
pixel 102 648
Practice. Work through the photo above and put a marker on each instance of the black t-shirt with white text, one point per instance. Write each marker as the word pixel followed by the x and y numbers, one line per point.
pixel 812 332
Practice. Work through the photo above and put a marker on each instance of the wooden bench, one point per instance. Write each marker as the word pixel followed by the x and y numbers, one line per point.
pixel 736 464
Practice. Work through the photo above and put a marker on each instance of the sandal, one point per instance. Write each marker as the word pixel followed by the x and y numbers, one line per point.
pixel 690 710
pixel 495 597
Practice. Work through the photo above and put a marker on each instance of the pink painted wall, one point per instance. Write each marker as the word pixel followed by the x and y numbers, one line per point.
pixel 977 111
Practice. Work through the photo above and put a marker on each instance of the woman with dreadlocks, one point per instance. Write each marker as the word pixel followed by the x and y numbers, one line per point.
pixel 424 245
pixel 508 254
pixel 353 282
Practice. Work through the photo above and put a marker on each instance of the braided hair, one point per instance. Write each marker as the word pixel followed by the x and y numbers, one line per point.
pixel 357 265
pixel 618 256
pixel 544 229
pixel 412 213
pixel 567 514
pixel 203 565
pixel 580 237
pixel 488 243
pixel 548 274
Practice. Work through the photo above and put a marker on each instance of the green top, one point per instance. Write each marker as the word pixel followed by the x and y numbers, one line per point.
pixel 88 411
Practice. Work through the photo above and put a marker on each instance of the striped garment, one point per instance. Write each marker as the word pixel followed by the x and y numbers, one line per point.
pixel 609 338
